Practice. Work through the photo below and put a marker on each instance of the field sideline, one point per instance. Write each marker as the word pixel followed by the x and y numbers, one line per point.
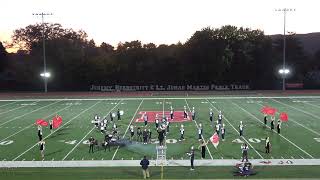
pixel 298 141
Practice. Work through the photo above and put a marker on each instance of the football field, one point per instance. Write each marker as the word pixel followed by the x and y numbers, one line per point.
pixel 299 138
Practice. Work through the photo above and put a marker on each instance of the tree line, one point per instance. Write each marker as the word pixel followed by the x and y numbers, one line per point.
pixel 211 55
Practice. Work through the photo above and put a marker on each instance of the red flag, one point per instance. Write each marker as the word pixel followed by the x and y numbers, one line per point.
pixel 56 121
pixel 44 123
pixel 264 109
pixel 284 117
pixel 215 140
pixel 271 111
pixel 41 122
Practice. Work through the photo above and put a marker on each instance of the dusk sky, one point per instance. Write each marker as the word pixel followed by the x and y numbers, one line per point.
pixel 158 21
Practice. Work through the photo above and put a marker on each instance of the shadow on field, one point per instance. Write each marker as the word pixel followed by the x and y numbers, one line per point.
pixel 52 153
pixel 59 133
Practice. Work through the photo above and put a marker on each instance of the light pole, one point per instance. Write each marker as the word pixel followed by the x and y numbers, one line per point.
pixel 45 74
pixel 284 71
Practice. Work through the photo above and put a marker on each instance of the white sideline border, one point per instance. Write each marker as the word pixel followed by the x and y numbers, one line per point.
pixel 136 163
pixel 161 98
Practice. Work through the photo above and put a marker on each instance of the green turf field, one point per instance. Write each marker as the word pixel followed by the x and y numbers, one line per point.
pixel 299 139
pixel 284 172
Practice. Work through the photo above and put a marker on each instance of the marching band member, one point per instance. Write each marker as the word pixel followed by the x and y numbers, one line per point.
pixel 171 112
pixel 272 123
pixel 118 114
pixel 265 119
pixel 211 116
pixel 185 114
pixel 218 128
pixel 278 126
pixel 139 134
pixel 111 116
pixel 220 117
pixel 244 149
pixel 223 131
pixel 131 132
pixel 51 126
pixel 241 129
pixel 145 117
pixel 40 132
pixel 145 136
pixel 181 133
pixel 267 145
pixel 200 131
pixel 42 148
pixel 193 114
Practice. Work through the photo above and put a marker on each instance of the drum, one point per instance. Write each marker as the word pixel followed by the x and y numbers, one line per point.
pixel 113 139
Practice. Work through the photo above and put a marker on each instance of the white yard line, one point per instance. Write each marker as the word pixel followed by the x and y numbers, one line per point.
pixel 86 135
pixel 298 109
pixel 57 130
pixel 33 124
pixel 314 105
pixel 225 118
pixel 135 163
pixel 178 98
pixel 274 131
pixel 128 128
pixel 14 109
pixel 291 119
pixel 198 128
pixel 8 103
pixel 163 108
pixel 29 112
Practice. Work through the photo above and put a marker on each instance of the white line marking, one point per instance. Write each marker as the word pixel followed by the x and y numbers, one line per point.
pixel 8 103
pixel 182 98
pixel 127 128
pixel 33 124
pixel 309 104
pixel 163 108
pixel 14 109
pixel 291 119
pixel 236 130
pixel 57 130
pixel 86 135
pixel 274 131
pixel 29 113
pixel 198 128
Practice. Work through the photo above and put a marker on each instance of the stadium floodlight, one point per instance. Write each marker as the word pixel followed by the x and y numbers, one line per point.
pixel 284 10
pixel 284 71
pixel 45 74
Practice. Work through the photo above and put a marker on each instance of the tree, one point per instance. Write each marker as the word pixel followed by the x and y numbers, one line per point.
pixel 3 57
